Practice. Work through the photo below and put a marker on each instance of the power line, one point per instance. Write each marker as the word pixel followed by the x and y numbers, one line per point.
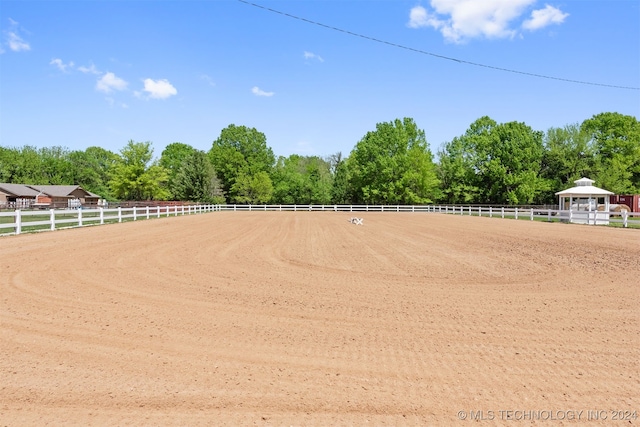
pixel 448 58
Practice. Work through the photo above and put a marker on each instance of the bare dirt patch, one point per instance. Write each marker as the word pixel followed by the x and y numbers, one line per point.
pixel 306 319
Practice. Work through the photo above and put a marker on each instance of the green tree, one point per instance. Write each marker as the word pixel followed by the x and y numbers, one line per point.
pixel 616 140
pixel 196 180
pixel 55 166
pixel 302 180
pixel 136 176
pixel 457 172
pixel 171 159
pixel 92 168
pixel 393 164
pixel 241 152
pixel 495 163
pixel 340 189
pixel 253 189
pixel 568 156
pixel 28 167
pixel 9 159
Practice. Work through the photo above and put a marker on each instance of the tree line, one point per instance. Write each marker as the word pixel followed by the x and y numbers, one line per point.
pixel 491 163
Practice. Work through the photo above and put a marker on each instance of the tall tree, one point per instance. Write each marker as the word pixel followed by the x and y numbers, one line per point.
pixel 340 189
pixel 9 158
pixel 393 164
pixel 495 163
pixel 196 180
pixel 56 168
pixel 241 152
pixel 302 180
pixel 136 176
pixel 568 156
pixel 92 168
pixel 616 139
pixel 457 172
pixel 171 159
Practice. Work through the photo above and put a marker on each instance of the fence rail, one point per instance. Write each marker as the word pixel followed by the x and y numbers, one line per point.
pixel 624 219
pixel 20 221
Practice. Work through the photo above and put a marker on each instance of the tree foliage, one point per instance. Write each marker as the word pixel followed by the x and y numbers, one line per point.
pixel 568 156
pixel 302 179
pixel 491 163
pixel 92 168
pixel 494 163
pixel 240 154
pixel 616 140
pixel 136 176
pixel 393 165
pixel 195 180
pixel 171 159
pixel 253 189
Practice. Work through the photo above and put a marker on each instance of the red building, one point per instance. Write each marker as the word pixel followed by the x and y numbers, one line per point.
pixel 633 201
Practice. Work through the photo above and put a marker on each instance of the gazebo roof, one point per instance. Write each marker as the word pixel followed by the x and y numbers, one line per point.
pixel 584 187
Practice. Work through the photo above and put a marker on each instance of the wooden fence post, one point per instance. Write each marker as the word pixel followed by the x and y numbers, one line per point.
pixel 101 215
pixel 52 219
pixel 134 214
pixel 531 214
pixel 119 213
pixel 625 224
pixel 79 217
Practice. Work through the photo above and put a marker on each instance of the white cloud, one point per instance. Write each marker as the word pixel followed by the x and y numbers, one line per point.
pixel 159 89
pixel 461 20
pixel 61 65
pixel 89 70
pixel 109 82
pixel 542 17
pixel 259 92
pixel 13 39
pixel 15 42
pixel 208 80
pixel 310 55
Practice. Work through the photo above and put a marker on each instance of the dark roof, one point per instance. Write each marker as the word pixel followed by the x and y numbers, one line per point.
pixel 22 190
pixel 18 190
pixel 58 190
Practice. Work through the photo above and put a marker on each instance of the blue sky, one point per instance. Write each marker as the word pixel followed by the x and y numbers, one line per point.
pixel 100 73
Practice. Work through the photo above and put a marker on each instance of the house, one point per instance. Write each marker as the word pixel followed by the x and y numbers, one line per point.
pixel 65 196
pixel 21 196
pixel 17 196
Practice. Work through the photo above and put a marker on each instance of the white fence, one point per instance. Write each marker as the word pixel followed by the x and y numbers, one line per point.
pixel 624 219
pixel 19 221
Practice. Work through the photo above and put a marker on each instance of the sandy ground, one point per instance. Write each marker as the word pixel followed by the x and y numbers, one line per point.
pixel 281 318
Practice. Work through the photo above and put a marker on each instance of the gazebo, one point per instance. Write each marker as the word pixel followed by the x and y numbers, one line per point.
pixel 583 199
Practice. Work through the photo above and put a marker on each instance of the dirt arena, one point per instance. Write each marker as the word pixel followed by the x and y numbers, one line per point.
pixel 286 318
